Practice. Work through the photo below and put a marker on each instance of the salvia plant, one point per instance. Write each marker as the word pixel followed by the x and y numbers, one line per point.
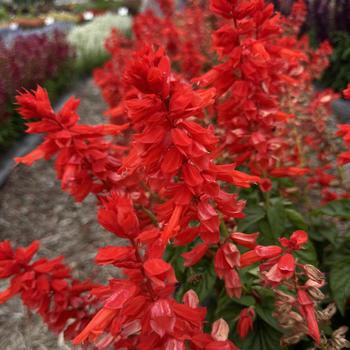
pixel 220 177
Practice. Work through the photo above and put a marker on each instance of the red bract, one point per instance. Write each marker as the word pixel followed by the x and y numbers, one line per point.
pixel 226 261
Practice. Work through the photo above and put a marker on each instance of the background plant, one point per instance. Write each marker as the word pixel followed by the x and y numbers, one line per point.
pixel 30 60
pixel 88 39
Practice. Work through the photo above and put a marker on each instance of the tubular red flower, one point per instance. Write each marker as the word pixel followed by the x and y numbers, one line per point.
pixel 308 310
pixel 245 322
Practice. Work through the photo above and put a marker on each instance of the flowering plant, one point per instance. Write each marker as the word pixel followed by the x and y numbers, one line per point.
pixel 195 173
pixel 27 61
pixel 87 39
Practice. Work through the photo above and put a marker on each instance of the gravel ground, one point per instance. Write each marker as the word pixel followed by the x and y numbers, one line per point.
pixel 32 206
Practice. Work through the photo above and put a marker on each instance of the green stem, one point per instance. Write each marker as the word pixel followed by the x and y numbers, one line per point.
pixel 150 215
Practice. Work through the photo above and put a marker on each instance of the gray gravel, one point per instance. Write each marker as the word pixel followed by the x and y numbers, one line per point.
pixel 32 206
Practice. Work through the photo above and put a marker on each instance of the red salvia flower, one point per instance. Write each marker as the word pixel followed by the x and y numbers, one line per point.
pixel 245 322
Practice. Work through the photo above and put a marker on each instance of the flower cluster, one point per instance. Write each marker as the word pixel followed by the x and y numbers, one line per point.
pixel 47 287
pixel 168 173
pixel 84 160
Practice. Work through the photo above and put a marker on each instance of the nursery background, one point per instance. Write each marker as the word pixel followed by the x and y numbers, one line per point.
pixel 174 174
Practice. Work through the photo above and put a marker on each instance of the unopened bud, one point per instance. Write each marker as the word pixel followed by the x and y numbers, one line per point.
pixel 220 330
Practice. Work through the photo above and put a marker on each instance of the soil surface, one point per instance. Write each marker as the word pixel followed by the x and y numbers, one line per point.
pixel 32 206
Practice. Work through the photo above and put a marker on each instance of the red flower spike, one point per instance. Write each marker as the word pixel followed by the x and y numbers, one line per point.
pixel 217 341
pixel 226 258
pixel 170 171
pixel 233 284
pixel 265 185
pixel 286 264
pixel 117 215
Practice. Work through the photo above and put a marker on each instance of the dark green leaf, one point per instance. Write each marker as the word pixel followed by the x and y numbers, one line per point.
pixel 265 307
pixel 262 337
pixel 308 254
pixel 267 237
pixel 339 208
pixel 339 280
pixel 203 283
pixel 253 215
pixel 227 309
pixel 276 216
pixel 296 218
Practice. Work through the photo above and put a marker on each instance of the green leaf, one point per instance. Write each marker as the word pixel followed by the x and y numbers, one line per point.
pixel 276 216
pixel 253 214
pixel 339 280
pixel 228 309
pixel 321 231
pixel 265 306
pixel 296 218
pixel 204 284
pixel 339 208
pixel 262 337
pixel 267 237
pixel 307 255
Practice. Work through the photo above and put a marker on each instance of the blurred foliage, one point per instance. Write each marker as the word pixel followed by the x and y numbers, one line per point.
pixel 63 16
pixel 337 76
pixel 4 15
pixel 12 128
